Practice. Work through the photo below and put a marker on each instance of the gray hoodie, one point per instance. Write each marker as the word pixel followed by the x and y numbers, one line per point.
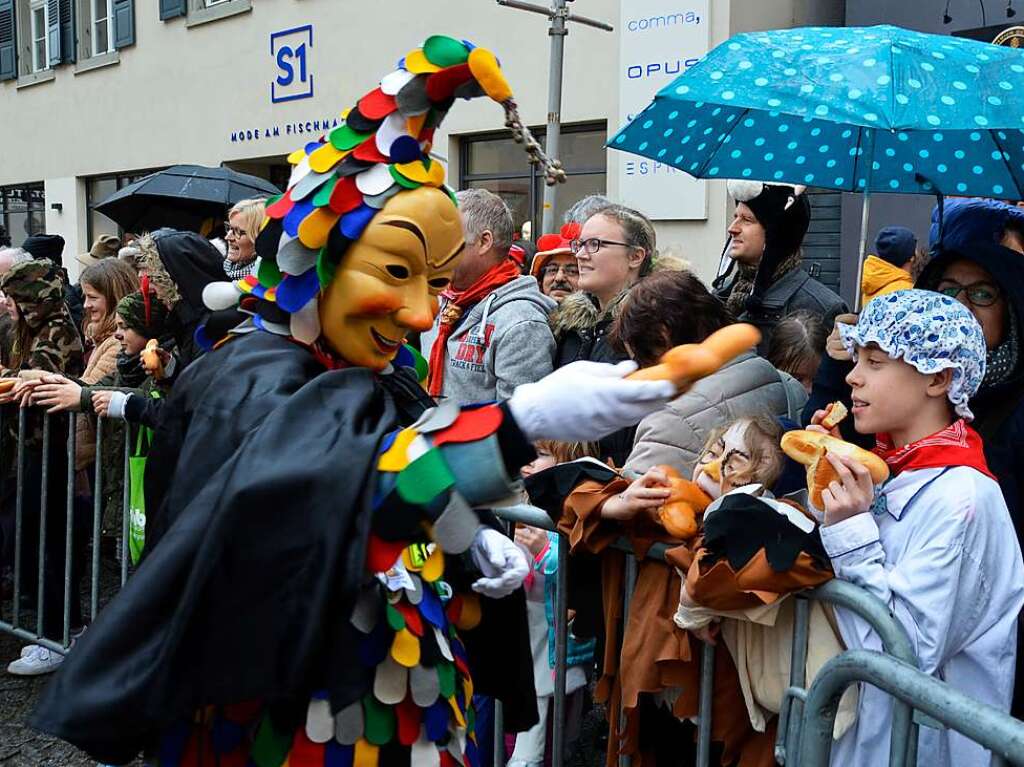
pixel 503 341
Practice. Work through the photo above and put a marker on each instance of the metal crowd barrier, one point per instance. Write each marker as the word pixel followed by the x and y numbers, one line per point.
pixel 15 624
pixel 807 714
pixel 986 725
pixel 802 709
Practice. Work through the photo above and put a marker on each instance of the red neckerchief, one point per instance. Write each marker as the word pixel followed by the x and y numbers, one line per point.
pixel 456 303
pixel 956 445
pixel 322 355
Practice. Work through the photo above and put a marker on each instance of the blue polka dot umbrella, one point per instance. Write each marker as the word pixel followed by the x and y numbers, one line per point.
pixel 869 109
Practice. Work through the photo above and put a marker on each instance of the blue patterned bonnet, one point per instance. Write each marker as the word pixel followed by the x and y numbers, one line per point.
pixel 928 330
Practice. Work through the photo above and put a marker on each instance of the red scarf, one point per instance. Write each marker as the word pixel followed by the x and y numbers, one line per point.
pixel 456 303
pixel 956 445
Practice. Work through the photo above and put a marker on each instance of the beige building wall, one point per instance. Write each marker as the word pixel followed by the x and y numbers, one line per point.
pixel 183 89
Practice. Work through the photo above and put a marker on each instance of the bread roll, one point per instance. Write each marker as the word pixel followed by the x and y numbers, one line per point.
pixel 150 356
pixel 683 365
pixel 809 448
pixel 6 384
pixel 836 412
pixel 679 513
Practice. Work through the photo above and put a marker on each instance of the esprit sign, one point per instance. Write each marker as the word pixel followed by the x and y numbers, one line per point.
pixel 658 41
pixel 290 49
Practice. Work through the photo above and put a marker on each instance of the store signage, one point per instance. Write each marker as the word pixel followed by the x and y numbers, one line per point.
pixel 311 128
pixel 290 49
pixel 658 41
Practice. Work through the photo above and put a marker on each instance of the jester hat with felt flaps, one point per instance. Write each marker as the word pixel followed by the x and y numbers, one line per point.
pixel 340 182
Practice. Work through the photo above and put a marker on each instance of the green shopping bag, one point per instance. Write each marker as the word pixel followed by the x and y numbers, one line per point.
pixel 136 494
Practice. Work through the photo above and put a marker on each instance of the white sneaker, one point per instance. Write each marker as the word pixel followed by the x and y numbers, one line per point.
pixel 34 661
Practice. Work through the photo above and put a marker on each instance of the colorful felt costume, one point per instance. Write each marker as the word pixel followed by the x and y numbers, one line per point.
pixel 304 599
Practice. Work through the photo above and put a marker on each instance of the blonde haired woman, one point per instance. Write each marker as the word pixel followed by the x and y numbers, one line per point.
pixel 243 225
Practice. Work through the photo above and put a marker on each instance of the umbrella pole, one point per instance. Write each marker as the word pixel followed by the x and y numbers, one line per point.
pixel 862 248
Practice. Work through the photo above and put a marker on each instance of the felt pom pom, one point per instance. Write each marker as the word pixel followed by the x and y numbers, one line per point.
pixel 220 295
pixel 744 191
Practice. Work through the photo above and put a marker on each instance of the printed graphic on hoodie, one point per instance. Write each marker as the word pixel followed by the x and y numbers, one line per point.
pixel 472 348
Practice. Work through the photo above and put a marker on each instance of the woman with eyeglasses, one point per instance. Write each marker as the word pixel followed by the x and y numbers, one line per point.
pixel 241 229
pixel 614 249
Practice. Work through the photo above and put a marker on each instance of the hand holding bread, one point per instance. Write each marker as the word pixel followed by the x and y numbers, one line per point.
pixel 679 513
pixel 151 361
pixel 811 448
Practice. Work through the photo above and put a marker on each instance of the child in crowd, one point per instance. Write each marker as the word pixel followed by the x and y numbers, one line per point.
pixel 796 346
pixel 540 594
pixel 138 319
pixel 935 542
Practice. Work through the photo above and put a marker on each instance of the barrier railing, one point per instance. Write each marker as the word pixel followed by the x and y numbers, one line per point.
pixel 995 730
pixel 806 713
pixel 903 746
pixel 893 636
pixel 40 529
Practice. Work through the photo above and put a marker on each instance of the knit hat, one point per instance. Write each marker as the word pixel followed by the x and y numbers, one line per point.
pixel 105 246
pixel 929 331
pixel 144 313
pixel 341 180
pixel 782 210
pixel 48 246
pixel 895 244
pixel 785 214
pixel 550 245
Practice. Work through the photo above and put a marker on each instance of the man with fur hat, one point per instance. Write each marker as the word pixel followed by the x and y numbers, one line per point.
pixel 768 281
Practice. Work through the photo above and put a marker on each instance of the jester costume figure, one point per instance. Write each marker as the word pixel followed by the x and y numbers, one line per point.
pixel 320 585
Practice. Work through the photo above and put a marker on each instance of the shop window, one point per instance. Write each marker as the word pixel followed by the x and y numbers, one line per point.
pixel 99 188
pixel 22 211
pixel 495 162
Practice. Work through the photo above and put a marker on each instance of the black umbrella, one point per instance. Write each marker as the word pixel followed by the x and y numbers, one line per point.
pixel 181 197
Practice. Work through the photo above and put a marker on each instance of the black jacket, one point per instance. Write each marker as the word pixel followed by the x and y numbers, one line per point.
pixel 265 466
pixel 192 262
pixel 581 333
pixel 795 291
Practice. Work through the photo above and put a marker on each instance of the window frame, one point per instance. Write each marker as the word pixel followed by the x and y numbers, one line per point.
pixel 93 21
pixel 26 189
pixel 34 35
pixel 530 173
pixel 205 11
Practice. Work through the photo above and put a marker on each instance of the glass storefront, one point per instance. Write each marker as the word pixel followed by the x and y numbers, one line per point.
pixel 22 211
pixel 495 162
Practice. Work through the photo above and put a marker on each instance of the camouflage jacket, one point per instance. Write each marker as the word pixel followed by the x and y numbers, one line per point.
pixel 52 341
pixel 44 339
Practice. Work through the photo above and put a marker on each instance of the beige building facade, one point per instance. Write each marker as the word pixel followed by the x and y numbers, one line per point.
pixel 99 92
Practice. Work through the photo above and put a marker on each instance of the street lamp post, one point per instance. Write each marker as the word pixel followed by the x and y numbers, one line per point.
pixel 559 17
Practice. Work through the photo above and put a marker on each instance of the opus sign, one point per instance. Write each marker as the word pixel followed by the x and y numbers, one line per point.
pixel 658 41
pixel 290 49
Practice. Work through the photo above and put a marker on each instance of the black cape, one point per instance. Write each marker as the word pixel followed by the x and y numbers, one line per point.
pixel 248 589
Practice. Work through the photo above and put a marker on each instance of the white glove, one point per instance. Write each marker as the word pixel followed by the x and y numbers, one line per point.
pixel 501 561
pixel 585 401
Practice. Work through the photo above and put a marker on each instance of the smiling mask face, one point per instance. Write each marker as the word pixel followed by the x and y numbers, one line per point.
pixel 387 283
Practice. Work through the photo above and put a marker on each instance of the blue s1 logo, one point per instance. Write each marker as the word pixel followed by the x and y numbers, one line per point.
pixel 291 51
